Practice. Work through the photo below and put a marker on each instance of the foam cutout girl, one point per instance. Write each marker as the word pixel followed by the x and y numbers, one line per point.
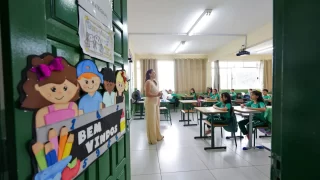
pixel 51 86
pixel 121 86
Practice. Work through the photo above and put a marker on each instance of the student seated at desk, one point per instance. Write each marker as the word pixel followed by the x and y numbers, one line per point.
pixel 257 103
pixel 266 97
pixel 209 92
pixel 249 92
pixel 224 105
pixel 233 94
pixel 193 94
pixel 215 95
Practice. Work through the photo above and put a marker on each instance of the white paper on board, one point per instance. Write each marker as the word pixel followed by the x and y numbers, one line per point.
pixel 100 9
pixel 96 39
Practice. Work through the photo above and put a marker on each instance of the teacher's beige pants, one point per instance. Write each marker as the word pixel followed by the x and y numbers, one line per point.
pixel 153 122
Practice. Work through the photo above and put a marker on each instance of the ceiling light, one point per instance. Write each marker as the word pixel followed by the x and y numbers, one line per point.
pixel 181 45
pixel 264 50
pixel 200 21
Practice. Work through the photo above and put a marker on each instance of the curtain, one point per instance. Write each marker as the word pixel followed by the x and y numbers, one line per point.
pixel 216 78
pixel 267 74
pixel 145 65
pixel 190 73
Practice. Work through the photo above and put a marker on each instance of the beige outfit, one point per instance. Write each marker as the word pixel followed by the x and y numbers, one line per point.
pixel 152 115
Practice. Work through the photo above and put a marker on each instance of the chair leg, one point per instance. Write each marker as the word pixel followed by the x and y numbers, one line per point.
pixel 254 138
pixel 235 138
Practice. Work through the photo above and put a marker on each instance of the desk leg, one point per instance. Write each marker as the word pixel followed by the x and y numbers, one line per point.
pixel 200 137
pixel 141 112
pixel 250 132
pixel 189 119
pixel 212 142
pixel 182 120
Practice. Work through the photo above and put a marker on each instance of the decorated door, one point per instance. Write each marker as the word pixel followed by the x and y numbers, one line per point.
pixel 35 27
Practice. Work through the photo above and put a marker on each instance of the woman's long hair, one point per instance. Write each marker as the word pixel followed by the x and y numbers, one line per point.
pixel 259 94
pixel 226 95
pixel 148 74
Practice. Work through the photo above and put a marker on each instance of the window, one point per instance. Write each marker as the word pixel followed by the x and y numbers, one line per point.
pixel 139 75
pixel 165 74
pixel 239 75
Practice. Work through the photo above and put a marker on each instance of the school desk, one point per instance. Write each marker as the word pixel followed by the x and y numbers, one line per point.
pixel 250 112
pixel 209 111
pixel 141 104
pixel 205 101
pixel 189 102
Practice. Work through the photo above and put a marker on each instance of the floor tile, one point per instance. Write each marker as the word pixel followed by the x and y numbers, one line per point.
pixel 147 177
pixel 215 159
pixel 191 175
pixel 264 169
pixel 179 159
pixel 242 173
pixel 144 162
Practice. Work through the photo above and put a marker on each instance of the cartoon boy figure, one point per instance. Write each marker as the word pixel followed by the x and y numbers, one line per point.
pixel 89 79
pixel 109 82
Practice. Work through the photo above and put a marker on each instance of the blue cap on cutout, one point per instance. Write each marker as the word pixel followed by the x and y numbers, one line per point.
pixel 87 66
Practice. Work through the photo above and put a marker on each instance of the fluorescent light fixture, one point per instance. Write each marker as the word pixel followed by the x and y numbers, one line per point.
pixel 200 21
pixel 181 45
pixel 264 50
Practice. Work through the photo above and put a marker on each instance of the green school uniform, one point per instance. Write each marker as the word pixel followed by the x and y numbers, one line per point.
pixel 266 97
pixel 194 95
pixel 215 96
pixel 223 118
pixel 222 105
pixel 209 95
pixel 257 116
pixel 233 95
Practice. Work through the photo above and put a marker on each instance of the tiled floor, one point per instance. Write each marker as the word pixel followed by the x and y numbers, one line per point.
pixel 181 157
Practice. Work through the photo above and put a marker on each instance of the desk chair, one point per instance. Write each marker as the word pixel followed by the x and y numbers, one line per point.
pixel 221 125
pixel 166 112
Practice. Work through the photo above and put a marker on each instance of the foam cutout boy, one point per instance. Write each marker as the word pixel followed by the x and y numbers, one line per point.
pixel 109 82
pixel 89 79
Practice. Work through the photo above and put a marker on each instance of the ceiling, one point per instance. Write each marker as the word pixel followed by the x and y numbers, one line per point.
pixel 167 18
pixel 262 48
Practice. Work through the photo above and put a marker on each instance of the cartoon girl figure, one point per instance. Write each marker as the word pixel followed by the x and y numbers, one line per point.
pixel 121 86
pixel 51 86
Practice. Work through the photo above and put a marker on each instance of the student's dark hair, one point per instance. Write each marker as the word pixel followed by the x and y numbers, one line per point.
pixel 193 90
pixel 232 89
pixel 259 94
pixel 265 90
pixel 148 74
pixel 226 95
pixel 250 89
pixel 108 75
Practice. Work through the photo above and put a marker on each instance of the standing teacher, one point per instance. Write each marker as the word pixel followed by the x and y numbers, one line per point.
pixel 152 107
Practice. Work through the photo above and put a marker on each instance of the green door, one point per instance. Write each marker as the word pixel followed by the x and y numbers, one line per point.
pixel 296 125
pixel 35 27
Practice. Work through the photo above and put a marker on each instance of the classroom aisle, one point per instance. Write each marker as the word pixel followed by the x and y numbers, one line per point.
pixel 181 157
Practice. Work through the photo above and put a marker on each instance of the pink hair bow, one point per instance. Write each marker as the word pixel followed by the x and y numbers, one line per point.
pixel 44 70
